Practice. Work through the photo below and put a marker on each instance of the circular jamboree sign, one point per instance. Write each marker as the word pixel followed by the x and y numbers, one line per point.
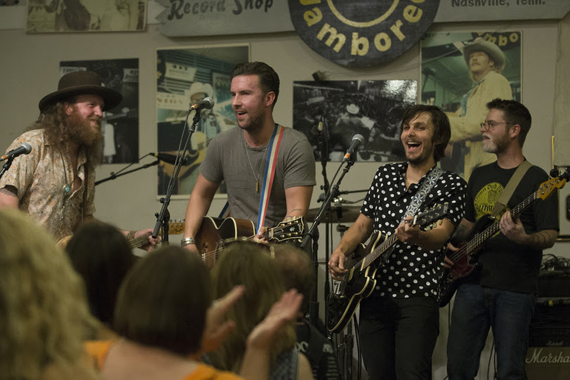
pixel 361 33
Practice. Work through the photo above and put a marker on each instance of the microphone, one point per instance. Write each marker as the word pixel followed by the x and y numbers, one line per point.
pixel 24 149
pixel 356 141
pixel 206 103
pixel 169 158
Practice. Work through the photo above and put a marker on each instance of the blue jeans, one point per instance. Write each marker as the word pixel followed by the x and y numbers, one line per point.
pixel 477 309
pixel 398 336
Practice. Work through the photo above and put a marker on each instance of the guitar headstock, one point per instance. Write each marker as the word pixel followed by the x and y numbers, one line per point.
pixel 547 188
pixel 432 214
pixel 176 228
pixel 287 230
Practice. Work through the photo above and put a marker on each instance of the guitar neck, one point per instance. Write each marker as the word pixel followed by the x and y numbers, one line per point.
pixel 472 246
pixel 139 241
pixel 369 259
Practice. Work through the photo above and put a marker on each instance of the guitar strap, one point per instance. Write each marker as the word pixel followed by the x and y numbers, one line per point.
pixel 270 165
pixel 510 188
pixel 422 193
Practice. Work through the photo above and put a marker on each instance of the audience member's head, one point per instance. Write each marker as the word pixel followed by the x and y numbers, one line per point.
pixel 44 316
pixel 249 264
pixel 296 270
pixel 163 301
pixel 101 254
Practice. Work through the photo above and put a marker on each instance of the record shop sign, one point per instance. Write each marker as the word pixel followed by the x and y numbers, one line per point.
pixel 360 33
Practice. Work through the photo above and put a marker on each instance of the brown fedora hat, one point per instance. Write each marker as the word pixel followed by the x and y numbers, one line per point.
pixel 82 83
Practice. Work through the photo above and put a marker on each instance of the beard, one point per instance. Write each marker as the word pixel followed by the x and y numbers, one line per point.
pixel 254 124
pixel 497 145
pixel 82 132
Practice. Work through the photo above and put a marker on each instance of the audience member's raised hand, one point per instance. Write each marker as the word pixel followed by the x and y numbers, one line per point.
pixel 216 328
pixel 282 312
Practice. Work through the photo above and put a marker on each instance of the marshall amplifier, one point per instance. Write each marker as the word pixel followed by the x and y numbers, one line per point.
pixel 548 356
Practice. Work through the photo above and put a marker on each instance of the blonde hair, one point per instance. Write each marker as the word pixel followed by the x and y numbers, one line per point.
pixel 244 263
pixel 43 311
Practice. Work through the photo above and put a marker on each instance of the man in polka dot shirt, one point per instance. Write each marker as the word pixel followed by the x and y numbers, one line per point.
pixel 399 321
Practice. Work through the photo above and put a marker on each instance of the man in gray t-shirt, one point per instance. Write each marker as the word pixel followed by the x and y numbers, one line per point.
pixel 239 157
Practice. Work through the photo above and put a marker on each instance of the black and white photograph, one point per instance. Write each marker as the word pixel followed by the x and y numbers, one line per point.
pixel 185 76
pixel 6 3
pixel 120 125
pixel 66 16
pixel 335 111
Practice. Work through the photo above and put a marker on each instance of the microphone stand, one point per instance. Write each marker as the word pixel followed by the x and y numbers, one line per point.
pixel 115 175
pixel 313 235
pixel 163 216
pixel 6 166
pixel 324 145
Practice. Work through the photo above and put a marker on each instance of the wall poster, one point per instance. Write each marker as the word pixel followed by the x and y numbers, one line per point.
pixel 461 73
pixel 371 108
pixel 184 77
pixel 120 125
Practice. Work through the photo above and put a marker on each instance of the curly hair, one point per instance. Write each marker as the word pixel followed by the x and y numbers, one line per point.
pixel 59 130
pixel 43 310
pixel 249 264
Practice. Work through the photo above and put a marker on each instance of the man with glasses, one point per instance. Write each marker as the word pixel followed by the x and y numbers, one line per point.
pixel 502 293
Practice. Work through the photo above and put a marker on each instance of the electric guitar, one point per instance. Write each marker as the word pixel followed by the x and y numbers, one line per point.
pixel 215 232
pixel 360 280
pixel 485 228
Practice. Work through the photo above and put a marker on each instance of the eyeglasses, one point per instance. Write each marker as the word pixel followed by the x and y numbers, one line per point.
pixel 492 124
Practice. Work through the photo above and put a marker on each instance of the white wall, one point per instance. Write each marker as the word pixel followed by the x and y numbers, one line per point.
pixel 29 70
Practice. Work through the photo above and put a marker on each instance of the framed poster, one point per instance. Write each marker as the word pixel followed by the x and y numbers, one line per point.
pixel 371 108
pixel 184 77
pixel 67 16
pixel 461 73
pixel 120 125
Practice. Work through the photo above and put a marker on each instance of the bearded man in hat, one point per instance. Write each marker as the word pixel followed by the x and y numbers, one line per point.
pixel 486 62
pixel 55 183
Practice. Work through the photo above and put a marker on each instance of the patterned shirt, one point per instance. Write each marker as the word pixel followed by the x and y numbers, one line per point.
pixel 411 271
pixel 41 179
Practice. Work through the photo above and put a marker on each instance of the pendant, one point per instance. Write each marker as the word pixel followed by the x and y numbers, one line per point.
pixel 257 186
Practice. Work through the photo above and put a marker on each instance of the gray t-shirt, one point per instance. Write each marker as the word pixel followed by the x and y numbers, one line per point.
pixel 229 158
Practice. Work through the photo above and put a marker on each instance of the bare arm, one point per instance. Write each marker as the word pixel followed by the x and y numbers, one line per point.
pixel 198 206
pixel 429 240
pixel 357 233
pixel 9 198
pixel 304 371
pixel 298 199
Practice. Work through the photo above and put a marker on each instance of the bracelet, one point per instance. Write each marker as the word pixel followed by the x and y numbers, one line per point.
pixel 187 241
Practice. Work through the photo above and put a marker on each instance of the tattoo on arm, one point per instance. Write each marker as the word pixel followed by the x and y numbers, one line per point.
pixel 543 239
pixel 460 234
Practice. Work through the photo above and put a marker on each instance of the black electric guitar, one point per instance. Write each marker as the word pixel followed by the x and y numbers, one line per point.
pixel 360 280
pixel 485 228
pixel 214 232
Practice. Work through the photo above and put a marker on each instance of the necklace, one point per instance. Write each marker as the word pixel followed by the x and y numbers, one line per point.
pixel 67 185
pixel 258 176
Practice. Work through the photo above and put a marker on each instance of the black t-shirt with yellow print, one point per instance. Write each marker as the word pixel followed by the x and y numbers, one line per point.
pixel 504 264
